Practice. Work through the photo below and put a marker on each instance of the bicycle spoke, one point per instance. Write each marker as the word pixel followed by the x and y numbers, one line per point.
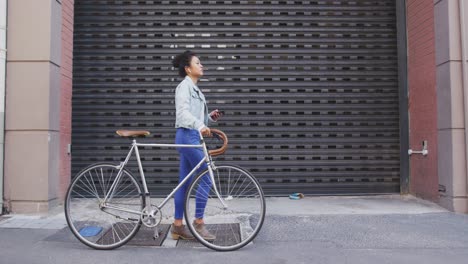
pixel 243 197
pixel 241 192
pixel 95 224
pixel 102 183
pixel 88 187
pixel 85 190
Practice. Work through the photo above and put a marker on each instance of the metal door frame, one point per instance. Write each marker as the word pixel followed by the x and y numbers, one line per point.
pixel 403 94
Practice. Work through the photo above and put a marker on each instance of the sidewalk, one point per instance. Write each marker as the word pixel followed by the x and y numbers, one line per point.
pixel 376 229
pixel 333 205
pixel 53 220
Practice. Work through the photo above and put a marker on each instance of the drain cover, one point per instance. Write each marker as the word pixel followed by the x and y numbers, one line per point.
pixel 144 237
pixel 226 234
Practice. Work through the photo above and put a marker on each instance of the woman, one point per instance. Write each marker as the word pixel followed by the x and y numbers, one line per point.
pixel 191 118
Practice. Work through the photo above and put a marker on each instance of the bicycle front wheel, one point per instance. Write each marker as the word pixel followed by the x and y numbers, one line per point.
pixel 104 225
pixel 234 225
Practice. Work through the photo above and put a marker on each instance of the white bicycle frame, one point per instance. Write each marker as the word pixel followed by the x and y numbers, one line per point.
pixel 206 159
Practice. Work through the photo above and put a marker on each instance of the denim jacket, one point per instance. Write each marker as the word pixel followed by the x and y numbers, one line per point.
pixel 190 106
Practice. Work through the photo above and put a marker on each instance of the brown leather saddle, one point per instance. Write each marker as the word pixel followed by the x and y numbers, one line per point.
pixel 132 133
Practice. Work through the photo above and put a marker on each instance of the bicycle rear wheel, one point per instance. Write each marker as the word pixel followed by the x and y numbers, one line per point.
pixel 236 225
pixel 99 225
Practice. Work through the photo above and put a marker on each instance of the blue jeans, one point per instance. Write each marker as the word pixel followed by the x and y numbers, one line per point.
pixel 189 158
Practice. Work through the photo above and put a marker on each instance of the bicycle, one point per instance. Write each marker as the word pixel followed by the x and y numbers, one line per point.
pixel 105 205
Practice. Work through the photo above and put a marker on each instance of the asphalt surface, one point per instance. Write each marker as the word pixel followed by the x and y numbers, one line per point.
pixel 408 231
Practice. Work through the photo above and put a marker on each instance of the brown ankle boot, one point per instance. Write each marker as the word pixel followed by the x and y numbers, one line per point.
pixel 181 232
pixel 201 229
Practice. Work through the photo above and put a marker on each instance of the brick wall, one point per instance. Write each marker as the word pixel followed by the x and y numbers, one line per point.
pixel 422 97
pixel 66 94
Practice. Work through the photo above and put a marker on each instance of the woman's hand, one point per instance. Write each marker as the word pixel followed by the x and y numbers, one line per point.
pixel 216 114
pixel 205 131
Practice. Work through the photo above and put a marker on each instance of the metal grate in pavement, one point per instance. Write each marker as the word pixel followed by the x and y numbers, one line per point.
pixel 226 234
pixel 144 237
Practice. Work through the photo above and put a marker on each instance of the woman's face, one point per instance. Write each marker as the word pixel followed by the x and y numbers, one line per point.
pixel 195 69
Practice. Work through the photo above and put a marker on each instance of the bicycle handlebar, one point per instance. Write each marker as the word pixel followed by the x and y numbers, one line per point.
pixel 214 133
pixel 220 135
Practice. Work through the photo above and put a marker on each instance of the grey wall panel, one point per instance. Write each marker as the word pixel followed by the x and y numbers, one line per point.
pixel 310 88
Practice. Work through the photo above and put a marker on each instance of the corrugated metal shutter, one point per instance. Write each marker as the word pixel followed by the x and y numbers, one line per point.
pixel 309 87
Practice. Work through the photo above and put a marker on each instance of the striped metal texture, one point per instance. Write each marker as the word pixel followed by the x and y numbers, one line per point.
pixel 309 88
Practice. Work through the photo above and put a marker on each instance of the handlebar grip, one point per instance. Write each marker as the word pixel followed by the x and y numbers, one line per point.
pixel 219 135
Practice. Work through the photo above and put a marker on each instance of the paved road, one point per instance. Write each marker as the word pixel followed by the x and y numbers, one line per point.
pixel 408 231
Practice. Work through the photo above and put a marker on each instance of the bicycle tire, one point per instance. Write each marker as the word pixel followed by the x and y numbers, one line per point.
pixel 99 227
pixel 239 223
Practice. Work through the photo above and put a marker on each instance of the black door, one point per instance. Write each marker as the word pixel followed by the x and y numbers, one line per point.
pixel 310 88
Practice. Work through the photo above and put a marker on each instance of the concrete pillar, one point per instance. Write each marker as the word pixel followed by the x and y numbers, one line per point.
pixel 3 29
pixel 32 105
pixel 450 113
pixel 66 71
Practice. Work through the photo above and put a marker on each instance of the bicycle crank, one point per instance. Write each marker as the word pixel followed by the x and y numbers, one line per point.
pixel 151 216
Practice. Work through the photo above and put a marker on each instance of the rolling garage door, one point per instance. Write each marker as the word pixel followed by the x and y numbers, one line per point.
pixel 310 88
